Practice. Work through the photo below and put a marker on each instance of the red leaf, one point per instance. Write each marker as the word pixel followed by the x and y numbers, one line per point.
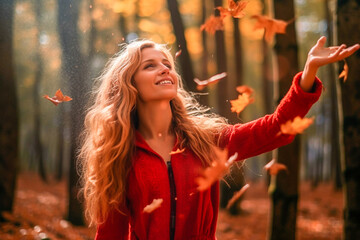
pixel 58 98
pixel 214 79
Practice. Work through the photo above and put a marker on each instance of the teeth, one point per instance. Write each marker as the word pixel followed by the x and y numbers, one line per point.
pixel 164 82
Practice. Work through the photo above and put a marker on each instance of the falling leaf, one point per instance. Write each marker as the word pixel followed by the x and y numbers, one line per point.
pixel 237 195
pixel 178 53
pixel 235 9
pixel 217 170
pixel 271 26
pixel 214 79
pixel 58 98
pixel 156 203
pixel 296 126
pixel 177 151
pixel 274 168
pixel 345 72
pixel 244 89
pixel 241 102
pixel 213 24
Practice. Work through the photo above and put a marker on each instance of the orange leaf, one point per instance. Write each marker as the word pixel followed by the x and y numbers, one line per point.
pixel 214 79
pixel 213 24
pixel 274 168
pixel 216 171
pixel 244 89
pixel 344 72
pixel 156 203
pixel 235 9
pixel 241 102
pixel 177 151
pixel 58 98
pixel 272 26
pixel 298 125
pixel 237 195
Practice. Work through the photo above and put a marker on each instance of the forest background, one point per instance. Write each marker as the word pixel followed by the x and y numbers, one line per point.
pixel 65 44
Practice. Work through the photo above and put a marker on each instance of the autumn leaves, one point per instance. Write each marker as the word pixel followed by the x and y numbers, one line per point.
pixel 236 10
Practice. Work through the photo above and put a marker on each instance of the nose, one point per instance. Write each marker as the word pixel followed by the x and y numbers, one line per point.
pixel 164 69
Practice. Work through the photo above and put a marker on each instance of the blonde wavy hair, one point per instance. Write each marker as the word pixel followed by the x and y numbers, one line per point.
pixel 108 141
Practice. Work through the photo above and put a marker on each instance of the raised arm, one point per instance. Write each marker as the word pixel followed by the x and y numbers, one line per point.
pixel 319 56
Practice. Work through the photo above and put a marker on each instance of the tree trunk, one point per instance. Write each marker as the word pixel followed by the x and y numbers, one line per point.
pixel 348 13
pixel 221 63
pixel 204 56
pixel 284 186
pixel 334 114
pixel 38 146
pixel 9 126
pixel 187 72
pixel 75 70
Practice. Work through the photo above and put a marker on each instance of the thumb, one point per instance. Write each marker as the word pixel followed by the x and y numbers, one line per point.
pixel 321 42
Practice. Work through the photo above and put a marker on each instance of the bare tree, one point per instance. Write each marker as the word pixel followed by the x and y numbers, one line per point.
pixel 348 13
pixel 9 126
pixel 179 30
pixel 284 189
pixel 74 68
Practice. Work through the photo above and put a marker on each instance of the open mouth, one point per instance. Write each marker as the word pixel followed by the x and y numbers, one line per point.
pixel 164 82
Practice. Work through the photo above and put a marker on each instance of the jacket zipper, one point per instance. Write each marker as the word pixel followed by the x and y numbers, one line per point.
pixel 172 200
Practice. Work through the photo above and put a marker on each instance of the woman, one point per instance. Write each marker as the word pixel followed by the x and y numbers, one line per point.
pixel 142 113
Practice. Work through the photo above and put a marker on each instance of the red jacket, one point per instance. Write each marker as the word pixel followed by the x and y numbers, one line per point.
pixel 195 213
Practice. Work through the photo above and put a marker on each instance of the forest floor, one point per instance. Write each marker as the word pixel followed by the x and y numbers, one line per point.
pixel 40 208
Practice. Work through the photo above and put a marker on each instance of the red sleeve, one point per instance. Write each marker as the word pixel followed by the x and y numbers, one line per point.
pixel 262 135
pixel 116 227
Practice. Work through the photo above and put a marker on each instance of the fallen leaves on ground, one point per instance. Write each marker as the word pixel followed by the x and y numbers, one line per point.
pixel 345 72
pixel 235 9
pixel 273 167
pixel 319 213
pixel 201 84
pixel 216 171
pixel 296 126
pixel 156 203
pixel 58 98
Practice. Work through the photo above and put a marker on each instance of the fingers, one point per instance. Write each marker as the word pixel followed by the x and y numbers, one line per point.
pixel 321 42
pixel 349 51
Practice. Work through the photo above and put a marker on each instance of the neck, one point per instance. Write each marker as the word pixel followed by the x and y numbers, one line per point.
pixel 155 119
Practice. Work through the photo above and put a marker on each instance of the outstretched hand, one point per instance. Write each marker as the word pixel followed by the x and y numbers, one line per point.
pixel 319 55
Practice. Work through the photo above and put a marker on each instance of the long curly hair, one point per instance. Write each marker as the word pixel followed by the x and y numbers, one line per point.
pixel 108 140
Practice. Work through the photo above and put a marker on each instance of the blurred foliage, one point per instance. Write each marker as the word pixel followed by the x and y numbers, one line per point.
pixel 113 22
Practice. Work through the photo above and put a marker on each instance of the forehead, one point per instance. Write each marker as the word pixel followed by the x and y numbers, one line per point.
pixel 152 53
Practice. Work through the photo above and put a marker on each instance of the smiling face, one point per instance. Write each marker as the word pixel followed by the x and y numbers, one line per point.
pixel 155 79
